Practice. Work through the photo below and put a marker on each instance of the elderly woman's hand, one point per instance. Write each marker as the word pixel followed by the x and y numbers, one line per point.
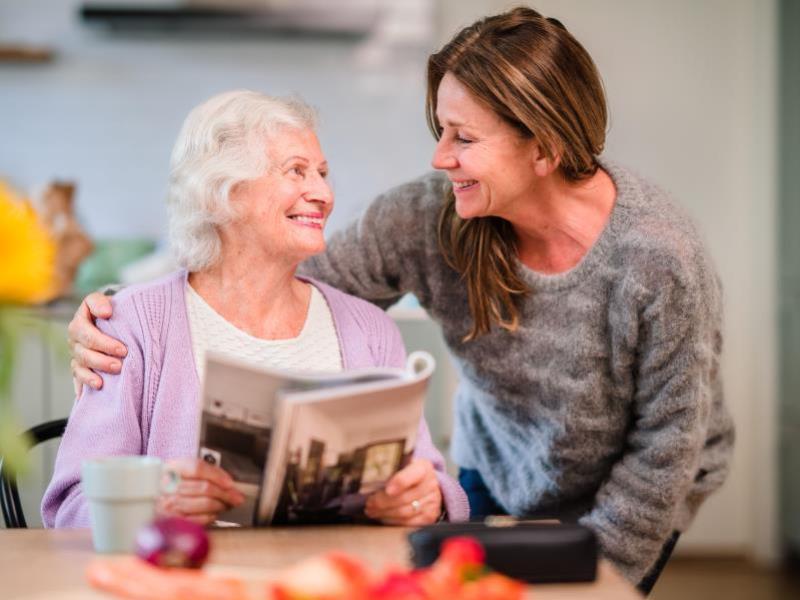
pixel 411 497
pixel 204 491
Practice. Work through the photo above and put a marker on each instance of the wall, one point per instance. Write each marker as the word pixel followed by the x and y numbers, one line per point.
pixel 789 269
pixel 107 111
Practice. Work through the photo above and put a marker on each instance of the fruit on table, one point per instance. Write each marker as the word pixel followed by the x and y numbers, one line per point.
pixel 173 542
pixel 332 576
pixel 133 578
pixel 458 573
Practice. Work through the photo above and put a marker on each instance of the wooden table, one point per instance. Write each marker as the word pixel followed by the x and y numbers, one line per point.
pixel 37 563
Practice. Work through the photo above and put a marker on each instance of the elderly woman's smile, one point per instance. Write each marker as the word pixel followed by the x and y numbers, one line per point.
pixel 315 221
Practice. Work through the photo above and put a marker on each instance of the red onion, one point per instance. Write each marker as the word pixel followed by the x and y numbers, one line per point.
pixel 173 542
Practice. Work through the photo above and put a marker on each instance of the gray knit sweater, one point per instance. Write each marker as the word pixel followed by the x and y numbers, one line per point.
pixel 605 405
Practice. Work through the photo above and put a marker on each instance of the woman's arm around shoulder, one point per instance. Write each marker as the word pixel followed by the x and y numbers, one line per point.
pixel 388 250
pixel 102 422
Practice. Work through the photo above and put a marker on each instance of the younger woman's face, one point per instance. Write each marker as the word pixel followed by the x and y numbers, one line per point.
pixel 489 164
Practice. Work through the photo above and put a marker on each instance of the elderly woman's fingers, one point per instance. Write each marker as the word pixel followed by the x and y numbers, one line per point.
pixel 194 468
pixel 410 509
pixel 409 476
pixel 186 506
pixel 204 491
pixel 411 497
pixel 410 483
pixel 203 487
pixel 422 511
pixel 381 500
pixel 190 505
pixel 83 376
pixel 204 519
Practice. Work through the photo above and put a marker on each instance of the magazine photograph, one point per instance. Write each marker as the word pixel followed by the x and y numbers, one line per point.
pixel 309 448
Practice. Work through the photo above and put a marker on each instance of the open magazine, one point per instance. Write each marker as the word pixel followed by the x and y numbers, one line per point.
pixel 309 448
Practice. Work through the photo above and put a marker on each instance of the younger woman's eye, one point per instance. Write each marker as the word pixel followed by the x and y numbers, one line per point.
pixel 463 140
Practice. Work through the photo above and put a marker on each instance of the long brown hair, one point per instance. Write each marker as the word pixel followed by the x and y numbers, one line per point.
pixel 532 73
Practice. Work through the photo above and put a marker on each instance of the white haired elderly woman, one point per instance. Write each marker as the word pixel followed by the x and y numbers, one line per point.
pixel 248 199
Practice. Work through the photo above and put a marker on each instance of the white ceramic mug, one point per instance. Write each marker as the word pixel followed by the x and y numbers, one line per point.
pixel 122 493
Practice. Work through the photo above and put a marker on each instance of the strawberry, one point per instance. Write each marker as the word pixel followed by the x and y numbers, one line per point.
pixel 398 585
pixel 462 551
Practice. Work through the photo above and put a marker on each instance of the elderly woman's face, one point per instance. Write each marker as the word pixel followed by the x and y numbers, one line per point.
pixel 284 211
pixel 488 162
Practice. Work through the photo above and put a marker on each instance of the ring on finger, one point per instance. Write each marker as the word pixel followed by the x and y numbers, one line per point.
pixel 415 505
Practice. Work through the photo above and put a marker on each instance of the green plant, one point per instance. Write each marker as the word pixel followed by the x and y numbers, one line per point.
pixel 27 276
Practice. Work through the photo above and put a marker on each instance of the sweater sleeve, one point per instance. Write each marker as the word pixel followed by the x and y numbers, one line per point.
pixel 388 250
pixel 102 422
pixel 393 353
pixel 455 499
pixel 676 373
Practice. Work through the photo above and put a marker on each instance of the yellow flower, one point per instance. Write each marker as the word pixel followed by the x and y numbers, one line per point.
pixel 27 252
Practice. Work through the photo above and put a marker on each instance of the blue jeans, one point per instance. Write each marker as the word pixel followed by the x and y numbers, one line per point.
pixel 481 502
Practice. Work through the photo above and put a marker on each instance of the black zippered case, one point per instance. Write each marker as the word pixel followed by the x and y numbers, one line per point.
pixel 531 552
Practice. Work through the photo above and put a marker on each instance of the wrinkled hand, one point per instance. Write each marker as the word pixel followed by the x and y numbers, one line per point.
pixel 395 504
pixel 204 491
pixel 90 348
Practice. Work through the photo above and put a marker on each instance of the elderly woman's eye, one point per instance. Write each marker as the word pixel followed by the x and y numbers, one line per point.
pixel 324 174
pixel 300 171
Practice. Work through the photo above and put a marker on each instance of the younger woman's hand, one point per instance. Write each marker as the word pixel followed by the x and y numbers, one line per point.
pixel 91 349
pixel 203 492
pixel 411 497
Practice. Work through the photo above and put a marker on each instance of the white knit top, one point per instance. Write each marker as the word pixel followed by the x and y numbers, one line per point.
pixel 316 348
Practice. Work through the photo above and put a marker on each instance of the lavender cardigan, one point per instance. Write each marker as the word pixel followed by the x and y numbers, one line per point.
pixel 151 406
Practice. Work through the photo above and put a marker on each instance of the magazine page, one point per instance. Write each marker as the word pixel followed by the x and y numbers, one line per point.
pixel 238 413
pixel 335 446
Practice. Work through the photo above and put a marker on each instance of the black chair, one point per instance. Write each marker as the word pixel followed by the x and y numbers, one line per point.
pixel 9 495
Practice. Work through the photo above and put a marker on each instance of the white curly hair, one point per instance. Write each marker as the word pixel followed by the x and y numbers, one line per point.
pixel 224 141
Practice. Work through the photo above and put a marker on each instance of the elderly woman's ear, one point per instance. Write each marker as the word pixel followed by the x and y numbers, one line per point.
pixel 237 190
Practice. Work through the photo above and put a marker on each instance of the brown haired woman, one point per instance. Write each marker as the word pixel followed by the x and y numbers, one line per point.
pixel 580 306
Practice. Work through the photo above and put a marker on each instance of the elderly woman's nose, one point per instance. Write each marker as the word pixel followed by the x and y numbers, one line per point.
pixel 443 157
pixel 320 189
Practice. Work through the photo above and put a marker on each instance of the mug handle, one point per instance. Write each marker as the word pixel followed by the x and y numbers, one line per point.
pixel 170 480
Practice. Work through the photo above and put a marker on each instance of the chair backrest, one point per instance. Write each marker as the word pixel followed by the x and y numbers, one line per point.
pixel 9 494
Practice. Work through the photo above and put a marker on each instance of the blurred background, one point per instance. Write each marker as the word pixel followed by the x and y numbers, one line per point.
pixel 702 95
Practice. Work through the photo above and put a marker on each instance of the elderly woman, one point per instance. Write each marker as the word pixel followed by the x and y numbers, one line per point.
pixel 249 198
pixel 577 300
